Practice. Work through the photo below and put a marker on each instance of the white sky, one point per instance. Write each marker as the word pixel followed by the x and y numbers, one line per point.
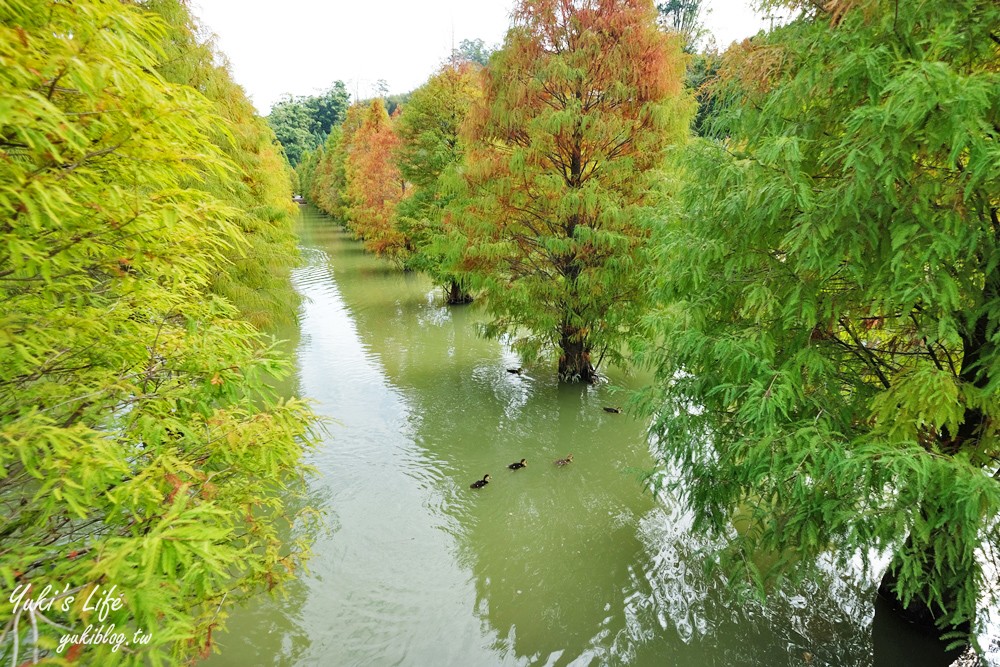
pixel 302 46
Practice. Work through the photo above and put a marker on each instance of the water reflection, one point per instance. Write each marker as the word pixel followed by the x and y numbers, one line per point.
pixel 546 565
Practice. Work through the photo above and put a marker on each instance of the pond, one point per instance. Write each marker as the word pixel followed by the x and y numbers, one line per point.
pixel 547 565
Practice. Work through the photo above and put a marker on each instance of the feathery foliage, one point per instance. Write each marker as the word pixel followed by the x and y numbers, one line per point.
pixel 579 108
pixel 257 279
pixel 429 152
pixel 324 178
pixel 373 184
pixel 830 313
pixel 139 447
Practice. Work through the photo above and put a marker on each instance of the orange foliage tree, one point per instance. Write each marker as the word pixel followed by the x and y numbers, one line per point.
pixel 579 109
pixel 325 181
pixel 374 185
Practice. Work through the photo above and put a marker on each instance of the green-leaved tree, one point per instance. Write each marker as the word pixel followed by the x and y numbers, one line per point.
pixel 429 151
pixel 473 51
pixel 257 277
pixel 682 17
pixel 828 343
pixel 303 123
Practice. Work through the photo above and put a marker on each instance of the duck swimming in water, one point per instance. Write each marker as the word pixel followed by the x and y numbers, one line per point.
pixel 523 463
pixel 565 461
pixel 480 483
pixel 614 411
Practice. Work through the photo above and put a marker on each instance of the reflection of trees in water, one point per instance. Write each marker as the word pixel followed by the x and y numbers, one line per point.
pixel 553 558
pixel 545 545
pixel 254 625
pixel 825 620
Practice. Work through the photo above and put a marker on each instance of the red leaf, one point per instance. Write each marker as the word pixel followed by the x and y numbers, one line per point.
pixel 74 652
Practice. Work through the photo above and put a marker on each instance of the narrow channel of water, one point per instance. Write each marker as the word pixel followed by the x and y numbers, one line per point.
pixel 576 565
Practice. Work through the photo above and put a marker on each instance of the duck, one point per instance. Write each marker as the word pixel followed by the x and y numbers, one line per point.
pixel 523 463
pixel 480 483
pixel 515 371
pixel 614 411
pixel 565 461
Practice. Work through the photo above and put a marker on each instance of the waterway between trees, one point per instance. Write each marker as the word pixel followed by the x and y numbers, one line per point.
pixel 574 565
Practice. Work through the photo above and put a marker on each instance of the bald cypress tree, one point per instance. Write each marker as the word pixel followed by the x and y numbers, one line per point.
pixel 429 151
pixel 141 452
pixel 830 333
pixel 578 110
pixel 373 184
pixel 257 279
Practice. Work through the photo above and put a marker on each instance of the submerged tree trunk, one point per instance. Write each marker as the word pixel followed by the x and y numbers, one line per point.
pixel 457 295
pixel 574 352
pixel 923 612
pixel 574 358
pixel 896 642
pixel 918 613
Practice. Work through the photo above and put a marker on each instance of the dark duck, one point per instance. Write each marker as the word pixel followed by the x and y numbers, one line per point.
pixel 565 461
pixel 480 483
pixel 520 464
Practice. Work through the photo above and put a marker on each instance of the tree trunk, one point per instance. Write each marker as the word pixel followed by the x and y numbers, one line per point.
pixel 977 349
pixel 918 613
pixel 896 642
pixel 457 295
pixel 923 615
pixel 574 360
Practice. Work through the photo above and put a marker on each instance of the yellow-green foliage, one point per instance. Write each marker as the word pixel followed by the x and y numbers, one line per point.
pixel 138 445
pixel 258 280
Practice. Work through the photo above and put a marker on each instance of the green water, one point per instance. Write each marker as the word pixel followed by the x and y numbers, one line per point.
pixel 550 566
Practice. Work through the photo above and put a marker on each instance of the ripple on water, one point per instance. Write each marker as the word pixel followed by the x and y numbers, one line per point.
pixel 826 618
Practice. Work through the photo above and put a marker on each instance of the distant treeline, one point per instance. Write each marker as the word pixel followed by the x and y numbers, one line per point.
pixel 302 123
